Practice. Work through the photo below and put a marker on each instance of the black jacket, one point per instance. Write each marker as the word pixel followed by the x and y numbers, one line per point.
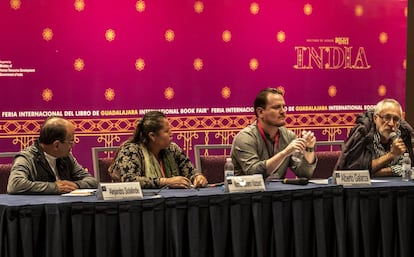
pixel 32 174
pixel 359 147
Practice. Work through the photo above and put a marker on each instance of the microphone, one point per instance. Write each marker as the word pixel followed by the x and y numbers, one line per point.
pixel 157 192
pixel 394 135
pixel 296 181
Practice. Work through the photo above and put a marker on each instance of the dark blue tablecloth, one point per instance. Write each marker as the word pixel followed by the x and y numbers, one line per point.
pixel 285 220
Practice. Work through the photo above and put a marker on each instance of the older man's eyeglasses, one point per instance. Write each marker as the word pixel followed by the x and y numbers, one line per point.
pixel 389 117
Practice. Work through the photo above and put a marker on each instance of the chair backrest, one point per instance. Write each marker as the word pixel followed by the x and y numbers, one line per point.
pixel 326 163
pixel 212 168
pixel 329 145
pixel 5 168
pixel 211 162
pixel 328 154
pixel 102 158
pixel 9 155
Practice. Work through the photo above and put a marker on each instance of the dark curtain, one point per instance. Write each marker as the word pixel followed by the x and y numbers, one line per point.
pixel 321 222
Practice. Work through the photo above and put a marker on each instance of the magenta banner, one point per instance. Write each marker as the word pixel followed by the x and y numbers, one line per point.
pixel 103 64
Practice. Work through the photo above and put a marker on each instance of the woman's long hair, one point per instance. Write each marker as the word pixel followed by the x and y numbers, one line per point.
pixel 151 122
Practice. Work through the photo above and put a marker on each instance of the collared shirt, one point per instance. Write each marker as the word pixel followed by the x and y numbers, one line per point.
pixel 250 153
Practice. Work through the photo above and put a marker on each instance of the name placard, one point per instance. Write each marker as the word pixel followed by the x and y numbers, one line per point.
pixel 120 191
pixel 249 183
pixel 352 177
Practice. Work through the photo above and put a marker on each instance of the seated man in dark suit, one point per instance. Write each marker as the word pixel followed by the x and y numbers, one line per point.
pixel 48 166
pixel 378 141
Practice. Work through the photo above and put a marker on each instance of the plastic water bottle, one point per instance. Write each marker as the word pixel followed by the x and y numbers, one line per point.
pixel 228 171
pixel 406 167
pixel 297 157
pixel 228 168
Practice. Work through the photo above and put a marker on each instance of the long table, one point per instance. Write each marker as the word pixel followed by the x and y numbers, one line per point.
pixel 379 219
pixel 285 220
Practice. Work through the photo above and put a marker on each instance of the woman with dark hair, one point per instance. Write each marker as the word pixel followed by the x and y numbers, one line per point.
pixel 151 157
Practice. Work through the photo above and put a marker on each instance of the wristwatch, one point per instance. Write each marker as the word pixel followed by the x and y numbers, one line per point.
pixel 310 149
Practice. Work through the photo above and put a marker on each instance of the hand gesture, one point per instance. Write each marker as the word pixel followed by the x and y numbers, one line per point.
pixel 297 145
pixel 178 182
pixel 65 186
pixel 200 181
pixel 398 147
pixel 309 138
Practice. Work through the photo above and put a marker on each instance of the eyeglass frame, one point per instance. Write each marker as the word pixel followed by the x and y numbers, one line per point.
pixel 389 117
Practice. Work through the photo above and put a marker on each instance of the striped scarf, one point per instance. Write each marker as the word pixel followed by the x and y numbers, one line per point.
pixel 152 165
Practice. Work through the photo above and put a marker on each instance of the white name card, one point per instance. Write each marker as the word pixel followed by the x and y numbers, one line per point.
pixel 120 191
pixel 249 183
pixel 352 177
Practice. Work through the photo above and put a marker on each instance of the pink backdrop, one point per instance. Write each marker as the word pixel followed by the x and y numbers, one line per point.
pixel 104 63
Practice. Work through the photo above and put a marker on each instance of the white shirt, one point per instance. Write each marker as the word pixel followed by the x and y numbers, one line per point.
pixel 52 163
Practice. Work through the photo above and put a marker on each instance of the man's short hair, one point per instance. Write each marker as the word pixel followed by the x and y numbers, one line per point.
pixel 381 105
pixel 261 98
pixel 54 128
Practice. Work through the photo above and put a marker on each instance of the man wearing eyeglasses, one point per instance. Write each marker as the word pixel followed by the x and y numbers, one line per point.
pixel 48 166
pixel 378 141
pixel 267 147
